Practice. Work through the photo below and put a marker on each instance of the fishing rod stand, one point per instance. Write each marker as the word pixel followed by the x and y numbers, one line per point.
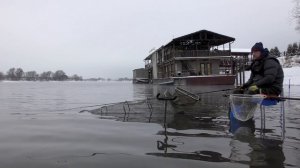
pixel 164 145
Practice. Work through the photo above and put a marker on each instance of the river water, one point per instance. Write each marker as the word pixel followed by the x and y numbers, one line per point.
pixel 57 124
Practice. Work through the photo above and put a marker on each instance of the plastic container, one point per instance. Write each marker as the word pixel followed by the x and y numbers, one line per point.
pixel 244 106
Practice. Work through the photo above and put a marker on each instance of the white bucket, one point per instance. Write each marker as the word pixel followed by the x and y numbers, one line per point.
pixel 244 106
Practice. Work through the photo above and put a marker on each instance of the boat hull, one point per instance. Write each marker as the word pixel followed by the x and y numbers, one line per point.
pixel 141 81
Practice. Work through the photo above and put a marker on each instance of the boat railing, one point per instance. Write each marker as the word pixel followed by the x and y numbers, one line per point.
pixel 188 72
pixel 199 53
pixel 187 93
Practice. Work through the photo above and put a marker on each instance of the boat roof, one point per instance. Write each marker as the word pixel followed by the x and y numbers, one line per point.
pixel 201 38
pixel 215 39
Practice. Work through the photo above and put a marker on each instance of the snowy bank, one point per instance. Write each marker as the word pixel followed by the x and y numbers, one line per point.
pixel 292 74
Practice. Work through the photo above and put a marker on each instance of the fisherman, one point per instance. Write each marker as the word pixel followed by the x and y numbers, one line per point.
pixel 266 78
pixel 266 73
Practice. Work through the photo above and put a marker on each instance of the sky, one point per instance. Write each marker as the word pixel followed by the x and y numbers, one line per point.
pixel 97 38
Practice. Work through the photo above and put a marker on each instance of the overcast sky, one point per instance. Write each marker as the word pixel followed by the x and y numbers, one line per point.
pixel 96 38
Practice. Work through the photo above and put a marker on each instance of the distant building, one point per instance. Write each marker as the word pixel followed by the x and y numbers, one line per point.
pixel 198 58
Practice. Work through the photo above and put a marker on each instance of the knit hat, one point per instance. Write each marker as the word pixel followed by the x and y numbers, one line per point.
pixel 258 47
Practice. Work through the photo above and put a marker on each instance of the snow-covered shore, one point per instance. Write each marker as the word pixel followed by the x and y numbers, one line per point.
pixel 292 74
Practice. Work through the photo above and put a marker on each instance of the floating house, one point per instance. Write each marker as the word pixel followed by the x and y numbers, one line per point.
pixel 199 58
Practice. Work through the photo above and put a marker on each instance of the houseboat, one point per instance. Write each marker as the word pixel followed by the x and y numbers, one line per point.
pixel 200 58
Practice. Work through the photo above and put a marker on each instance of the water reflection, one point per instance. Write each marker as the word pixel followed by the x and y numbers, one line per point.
pixel 164 145
pixel 255 151
pixel 197 134
pixel 198 124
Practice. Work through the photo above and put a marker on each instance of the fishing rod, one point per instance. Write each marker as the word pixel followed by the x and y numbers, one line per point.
pixel 271 97
pixel 282 98
pixel 222 90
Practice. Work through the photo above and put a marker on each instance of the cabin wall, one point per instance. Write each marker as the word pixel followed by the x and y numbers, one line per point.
pixel 211 67
pixel 194 67
pixel 215 67
pixel 197 67
pixel 140 73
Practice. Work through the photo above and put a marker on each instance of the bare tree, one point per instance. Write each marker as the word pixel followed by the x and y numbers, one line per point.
pixel 76 78
pixel 296 14
pixel 48 75
pixel 60 75
pixel 11 74
pixel 31 75
pixel 19 73
pixel 2 76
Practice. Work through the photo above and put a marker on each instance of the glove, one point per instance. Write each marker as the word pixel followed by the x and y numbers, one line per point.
pixel 253 88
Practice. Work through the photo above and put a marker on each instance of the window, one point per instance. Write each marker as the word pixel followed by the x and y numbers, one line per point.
pixel 202 69
pixel 205 69
pixel 209 69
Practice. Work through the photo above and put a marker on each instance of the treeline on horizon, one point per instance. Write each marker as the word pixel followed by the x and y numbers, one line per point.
pixel 293 49
pixel 17 74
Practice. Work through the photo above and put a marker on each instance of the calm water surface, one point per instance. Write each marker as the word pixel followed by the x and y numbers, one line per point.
pixel 55 124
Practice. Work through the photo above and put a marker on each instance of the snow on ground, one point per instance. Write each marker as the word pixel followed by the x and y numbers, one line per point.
pixel 292 74
pixel 292 61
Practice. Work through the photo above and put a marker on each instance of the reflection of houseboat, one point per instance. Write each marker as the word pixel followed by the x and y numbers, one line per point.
pixel 198 58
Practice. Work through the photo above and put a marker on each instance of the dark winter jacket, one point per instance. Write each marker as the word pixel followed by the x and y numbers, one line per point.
pixel 266 73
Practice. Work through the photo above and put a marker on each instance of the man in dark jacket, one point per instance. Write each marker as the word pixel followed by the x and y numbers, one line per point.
pixel 266 73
